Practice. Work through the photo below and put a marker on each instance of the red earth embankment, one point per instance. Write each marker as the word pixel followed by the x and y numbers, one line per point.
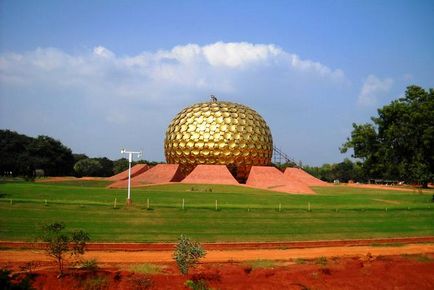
pixel 210 174
pixel 303 177
pixel 135 170
pixel 271 178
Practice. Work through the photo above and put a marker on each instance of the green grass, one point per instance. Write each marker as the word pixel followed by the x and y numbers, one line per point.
pixel 419 258
pixel 262 264
pixel 146 268
pixel 244 214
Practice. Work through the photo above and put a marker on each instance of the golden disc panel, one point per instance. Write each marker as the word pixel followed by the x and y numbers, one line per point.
pixel 219 133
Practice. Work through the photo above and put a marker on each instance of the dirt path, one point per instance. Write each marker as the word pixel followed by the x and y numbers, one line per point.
pixel 17 256
pixel 232 245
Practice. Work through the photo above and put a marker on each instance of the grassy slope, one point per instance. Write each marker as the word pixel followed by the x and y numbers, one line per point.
pixel 246 214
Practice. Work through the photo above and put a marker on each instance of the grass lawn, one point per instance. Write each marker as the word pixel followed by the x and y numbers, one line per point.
pixel 243 214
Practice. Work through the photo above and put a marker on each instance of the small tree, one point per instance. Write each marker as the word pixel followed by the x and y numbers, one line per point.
pixel 58 242
pixel 79 238
pixel 187 253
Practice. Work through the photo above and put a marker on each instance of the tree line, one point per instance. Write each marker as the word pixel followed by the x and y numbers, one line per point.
pixel 21 155
pixel 399 142
pixel 397 145
pixel 343 171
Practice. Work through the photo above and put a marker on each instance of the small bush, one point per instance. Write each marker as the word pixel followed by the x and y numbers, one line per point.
pixel 187 253
pixel 300 261
pixel 89 265
pixel 9 281
pixel 321 261
pixel 96 283
pixel 197 284
pixel 247 269
pixel 118 276
pixel 142 283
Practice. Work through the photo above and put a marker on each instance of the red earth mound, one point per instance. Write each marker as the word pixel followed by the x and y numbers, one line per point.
pixel 210 174
pixel 135 170
pixel 304 177
pixel 271 178
pixel 161 173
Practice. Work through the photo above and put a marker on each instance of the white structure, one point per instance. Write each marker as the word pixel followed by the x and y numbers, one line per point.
pixel 130 159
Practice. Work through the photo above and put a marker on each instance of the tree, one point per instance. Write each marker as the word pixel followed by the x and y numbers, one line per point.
pixel 187 253
pixel 13 153
pixel 58 242
pixel 400 142
pixel 51 155
pixel 22 155
pixel 120 165
pixel 343 171
pixel 106 167
pixel 87 167
pixel 78 157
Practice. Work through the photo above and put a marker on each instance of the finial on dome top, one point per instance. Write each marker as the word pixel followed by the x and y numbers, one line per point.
pixel 213 98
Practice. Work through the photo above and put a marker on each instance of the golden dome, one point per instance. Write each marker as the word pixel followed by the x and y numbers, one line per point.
pixel 219 133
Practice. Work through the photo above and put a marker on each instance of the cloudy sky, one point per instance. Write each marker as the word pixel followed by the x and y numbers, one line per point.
pixel 102 75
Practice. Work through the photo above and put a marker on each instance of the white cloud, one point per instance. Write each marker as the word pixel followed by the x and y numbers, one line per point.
pixel 156 76
pixel 93 93
pixel 373 89
pixel 103 52
pixel 236 55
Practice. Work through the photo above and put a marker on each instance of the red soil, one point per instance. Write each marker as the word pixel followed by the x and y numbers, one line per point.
pixel 304 177
pixel 271 178
pixel 135 170
pixel 210 174
pixel 362 271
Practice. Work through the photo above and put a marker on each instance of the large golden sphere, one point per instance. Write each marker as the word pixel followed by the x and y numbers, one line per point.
pixel 219 133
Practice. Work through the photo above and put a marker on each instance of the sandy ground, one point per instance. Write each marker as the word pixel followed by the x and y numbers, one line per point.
pixel 213 256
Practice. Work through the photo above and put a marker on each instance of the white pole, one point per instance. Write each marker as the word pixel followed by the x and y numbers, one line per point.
pixel 130 157
pixel 182 204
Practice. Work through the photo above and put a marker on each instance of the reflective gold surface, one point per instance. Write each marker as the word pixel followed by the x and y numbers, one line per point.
pixel 219 133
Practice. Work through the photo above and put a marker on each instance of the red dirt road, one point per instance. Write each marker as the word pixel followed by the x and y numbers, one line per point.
pixel 213 256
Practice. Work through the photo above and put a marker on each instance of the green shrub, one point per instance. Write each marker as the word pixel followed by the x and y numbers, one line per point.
pixel 89 265
pixel 187 253
pixel 96 283
pixel 200 284
pixel 9 281
pixel 321 261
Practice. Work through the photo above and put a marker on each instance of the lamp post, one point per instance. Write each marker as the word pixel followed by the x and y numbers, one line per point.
pixel 130 159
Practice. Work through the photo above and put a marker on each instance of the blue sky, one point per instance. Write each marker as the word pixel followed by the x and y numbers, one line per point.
pixel 101 75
